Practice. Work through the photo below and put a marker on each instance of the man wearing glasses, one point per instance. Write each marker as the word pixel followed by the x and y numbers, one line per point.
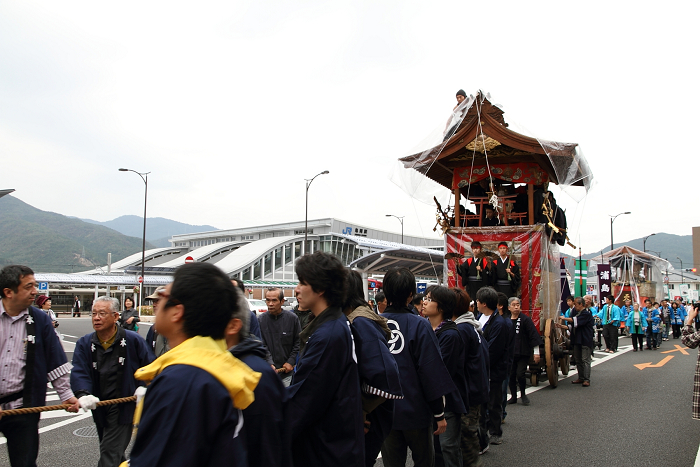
pixel 104 363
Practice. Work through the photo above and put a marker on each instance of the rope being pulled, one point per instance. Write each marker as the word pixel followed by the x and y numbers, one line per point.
pixel 28 410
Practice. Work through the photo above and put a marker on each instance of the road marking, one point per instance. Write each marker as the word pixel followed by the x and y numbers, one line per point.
pixel 697 458
pixel 73 419
pixel 574 372
pixel 641 366
pixel 678 349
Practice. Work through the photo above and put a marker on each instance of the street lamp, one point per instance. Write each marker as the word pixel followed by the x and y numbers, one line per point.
pixel 644 242
pixel 400 220
pixel 144 177
pixel 612 219
pixel 682 278
pixel 306 216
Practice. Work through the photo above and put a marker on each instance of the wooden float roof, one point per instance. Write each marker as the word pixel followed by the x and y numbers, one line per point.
pixel 484 133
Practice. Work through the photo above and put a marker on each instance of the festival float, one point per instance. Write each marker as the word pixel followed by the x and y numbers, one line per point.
pixel 494 168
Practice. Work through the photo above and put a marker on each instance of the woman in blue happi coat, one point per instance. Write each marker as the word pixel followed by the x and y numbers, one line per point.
pixel 678 315
pixel 636 326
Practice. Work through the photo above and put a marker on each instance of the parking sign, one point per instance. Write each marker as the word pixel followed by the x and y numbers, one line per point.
pixel 43 286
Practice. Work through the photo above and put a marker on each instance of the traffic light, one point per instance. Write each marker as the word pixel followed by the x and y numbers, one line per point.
pixel 690 269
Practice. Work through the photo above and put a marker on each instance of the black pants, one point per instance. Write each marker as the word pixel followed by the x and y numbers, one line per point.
pixel 22 433
pixel 394 449
pixel 610 335
pixel 114 439
pixel 638 338
pixel 676 330
pixel 517 374
pixel 491 413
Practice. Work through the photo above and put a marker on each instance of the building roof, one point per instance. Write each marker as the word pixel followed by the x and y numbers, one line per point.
pixel 483 138
pixel 423 263
pixel 382 244
pixel 92 280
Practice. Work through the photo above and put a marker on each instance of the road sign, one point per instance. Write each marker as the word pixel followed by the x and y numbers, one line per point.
pixel 665 279
pixel 140 280
pixel 189 259
pixel 43 286
pixel 421 287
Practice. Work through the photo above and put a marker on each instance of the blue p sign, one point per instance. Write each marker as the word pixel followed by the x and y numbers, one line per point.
pixel 43 286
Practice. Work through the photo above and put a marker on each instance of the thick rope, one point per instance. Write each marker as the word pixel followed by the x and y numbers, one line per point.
pixel 28 410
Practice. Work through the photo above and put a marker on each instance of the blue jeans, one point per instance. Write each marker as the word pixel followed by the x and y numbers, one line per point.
pixel 449 441
pixel 665 333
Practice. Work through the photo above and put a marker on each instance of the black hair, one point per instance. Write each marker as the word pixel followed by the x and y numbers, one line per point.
pixel 356 292
pixel 489 297
pixel 463 300
pixel 129 297
pixel 399 286
pixel 239 284
pixel 579 301
pixel 569 298
pixel 445 299
pixel 380 297
pixel 11 277
pixel 503 300
pixel 208 296
pixel 325 274
pixel 610 297
pixel 418 298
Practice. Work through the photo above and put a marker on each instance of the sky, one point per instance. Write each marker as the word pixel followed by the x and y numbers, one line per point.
pixel 231 105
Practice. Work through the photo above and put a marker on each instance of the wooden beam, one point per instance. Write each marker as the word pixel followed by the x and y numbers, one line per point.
pixel 531 204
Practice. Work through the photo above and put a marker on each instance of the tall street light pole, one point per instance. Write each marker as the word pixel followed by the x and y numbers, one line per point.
pixel 400 220
pixel 682 278
pixel 644 242
pixel 612 219
pixel 306 216
pixel 144 177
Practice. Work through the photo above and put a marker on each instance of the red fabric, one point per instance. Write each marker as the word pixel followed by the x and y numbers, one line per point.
pixel 529 250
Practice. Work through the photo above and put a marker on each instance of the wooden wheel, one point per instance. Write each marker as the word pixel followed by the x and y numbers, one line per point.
pixel 565 364
pixel 550 362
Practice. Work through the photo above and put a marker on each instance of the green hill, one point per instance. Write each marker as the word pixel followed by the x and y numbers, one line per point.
pixel 50 242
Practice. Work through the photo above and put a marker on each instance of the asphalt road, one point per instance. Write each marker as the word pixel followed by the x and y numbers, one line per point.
pixel 627 416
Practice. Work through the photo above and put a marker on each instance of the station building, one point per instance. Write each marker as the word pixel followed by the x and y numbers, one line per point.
pixel 261 257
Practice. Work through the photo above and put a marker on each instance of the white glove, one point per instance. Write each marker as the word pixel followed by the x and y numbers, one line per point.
pixel 88 402
pixel 140 393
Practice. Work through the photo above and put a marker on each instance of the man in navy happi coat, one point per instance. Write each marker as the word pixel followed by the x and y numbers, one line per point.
pixel 192 410
pixel 266 435
pixel 104 363
pixel 424 377
pixel 496 332
pixel 325 408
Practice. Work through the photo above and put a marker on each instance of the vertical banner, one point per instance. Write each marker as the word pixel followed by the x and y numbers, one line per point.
pixel 565 289
pixel 604 281
pixel 580 278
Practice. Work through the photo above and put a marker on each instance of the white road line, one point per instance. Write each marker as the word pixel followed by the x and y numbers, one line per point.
pixel 74 419
pixel 74 337
pixel 621 350
pixel 697 458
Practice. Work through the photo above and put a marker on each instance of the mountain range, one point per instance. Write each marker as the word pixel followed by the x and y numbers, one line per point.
pixel 663 245
pixel 51 242
pixel 158 229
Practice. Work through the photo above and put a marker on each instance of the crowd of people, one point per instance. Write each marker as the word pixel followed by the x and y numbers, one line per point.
pixel 334 382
